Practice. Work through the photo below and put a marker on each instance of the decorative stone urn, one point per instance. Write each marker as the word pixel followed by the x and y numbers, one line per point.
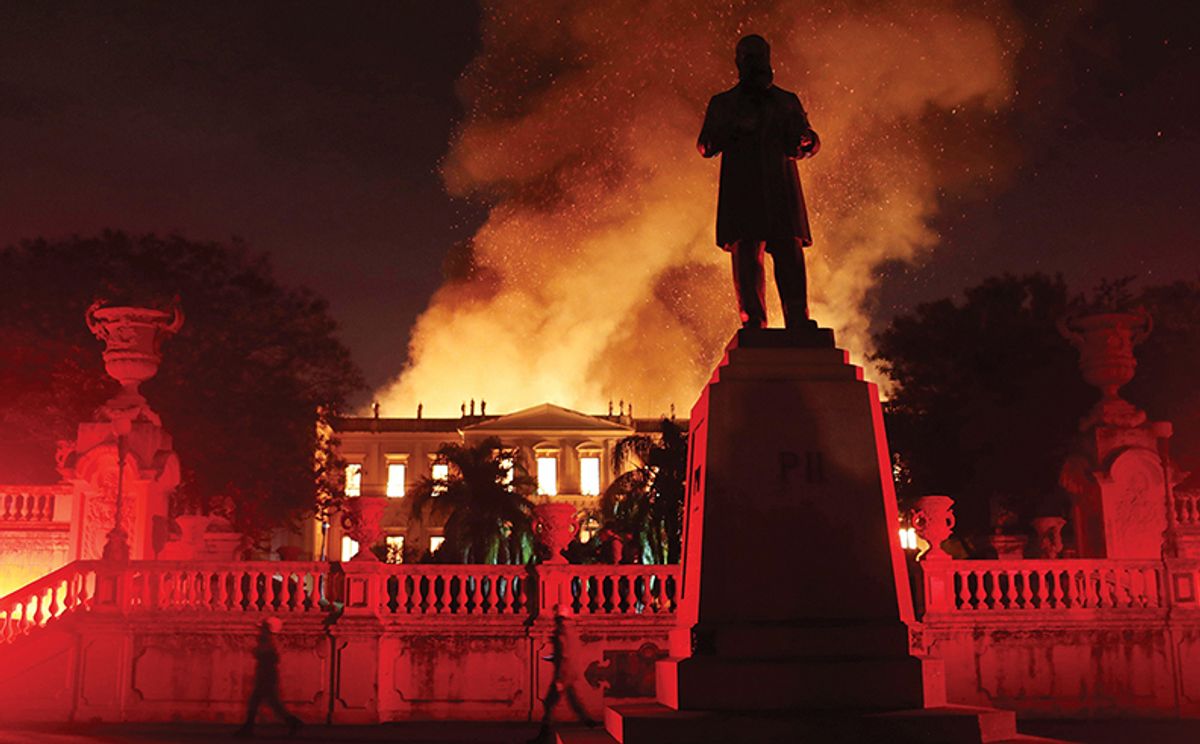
pixel 132 339
pixel 1049 536
pixel 192 529
pixel 362 517
pixel 1008 547
pixel 1105 342
pixel 554 526
pixel 933 519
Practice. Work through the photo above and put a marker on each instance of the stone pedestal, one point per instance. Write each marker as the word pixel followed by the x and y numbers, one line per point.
pixel 795 595
pixel 794 584
pixel 1121 489
pixel 151 475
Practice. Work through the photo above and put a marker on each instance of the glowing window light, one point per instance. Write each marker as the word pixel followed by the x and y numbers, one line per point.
pixel 349 547
pixel 908 538
pixel 395 549
pixel 435 542
pixel 395 479
pixel 440 473
pixel 588 529
pixel 547 476
pixel 354 479
pixel 589 476
pixel 506 464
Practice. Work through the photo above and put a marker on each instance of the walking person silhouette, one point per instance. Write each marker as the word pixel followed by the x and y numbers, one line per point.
pixel 565 654
pixel 266 681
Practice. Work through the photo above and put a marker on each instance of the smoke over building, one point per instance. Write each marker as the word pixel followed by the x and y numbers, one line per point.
pixel 595 275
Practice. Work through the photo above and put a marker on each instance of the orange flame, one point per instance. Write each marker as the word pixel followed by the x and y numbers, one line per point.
pixel 595 276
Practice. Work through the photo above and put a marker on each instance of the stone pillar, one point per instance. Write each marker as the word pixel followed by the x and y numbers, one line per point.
pixel 795 590
pixel 125 429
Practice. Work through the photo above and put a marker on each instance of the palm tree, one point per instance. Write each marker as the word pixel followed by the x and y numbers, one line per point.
pixel 645 504
pixel 486 502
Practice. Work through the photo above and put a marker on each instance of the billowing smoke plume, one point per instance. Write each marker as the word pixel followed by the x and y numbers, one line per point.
pixel 596 276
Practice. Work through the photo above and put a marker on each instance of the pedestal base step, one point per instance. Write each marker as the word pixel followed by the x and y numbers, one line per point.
pixel 651 723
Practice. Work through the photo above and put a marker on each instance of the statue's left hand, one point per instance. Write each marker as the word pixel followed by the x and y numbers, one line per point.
pixel 810 144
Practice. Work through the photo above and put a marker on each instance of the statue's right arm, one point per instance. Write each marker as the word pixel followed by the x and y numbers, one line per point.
pixel 714 133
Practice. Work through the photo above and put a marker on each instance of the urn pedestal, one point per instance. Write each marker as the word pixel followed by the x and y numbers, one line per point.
pixel 1118 478
pixel 122 466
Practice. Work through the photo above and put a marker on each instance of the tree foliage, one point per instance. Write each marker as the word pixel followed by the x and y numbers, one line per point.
pixel 644 504
pixel 989 396
pixel 486 503
pixel 241 388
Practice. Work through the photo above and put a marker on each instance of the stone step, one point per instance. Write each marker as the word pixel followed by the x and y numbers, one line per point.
pixel 950 723
pixel 583 736
pixel 652 723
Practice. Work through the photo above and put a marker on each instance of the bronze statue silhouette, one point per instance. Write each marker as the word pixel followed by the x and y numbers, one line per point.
pixel 761 130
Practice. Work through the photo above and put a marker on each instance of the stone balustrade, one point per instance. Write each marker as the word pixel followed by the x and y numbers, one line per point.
pixel 1042 586
pixel 611 589
pixel 1187 508
pixel 417 590
pixel 70 588
pixel 1064 637
pixel 25 505
pixel 302 587
pixel 361 641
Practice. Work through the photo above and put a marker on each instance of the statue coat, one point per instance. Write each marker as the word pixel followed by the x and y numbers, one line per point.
pixel 758 135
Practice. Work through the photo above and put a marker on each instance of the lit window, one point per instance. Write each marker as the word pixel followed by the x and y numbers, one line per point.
pixel 908 538
pixel 589 476
pixel 441 472
pixel 435 542
pixel 354 479
pixel 547 475
pixel 588 529
pixel 349 548
pixel 395 549
pixel 506 465
pixel 395 479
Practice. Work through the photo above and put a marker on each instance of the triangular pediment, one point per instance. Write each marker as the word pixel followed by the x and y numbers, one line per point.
pixel 549 417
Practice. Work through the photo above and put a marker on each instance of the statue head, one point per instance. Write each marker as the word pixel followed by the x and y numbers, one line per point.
pixel 753 58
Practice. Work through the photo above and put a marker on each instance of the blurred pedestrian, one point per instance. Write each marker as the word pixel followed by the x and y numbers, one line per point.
pixel 266 681
pixel 565 657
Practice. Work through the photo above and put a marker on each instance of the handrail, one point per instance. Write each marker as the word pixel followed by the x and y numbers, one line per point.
pixel 59 592
pixel 313 587
pixel 1041 586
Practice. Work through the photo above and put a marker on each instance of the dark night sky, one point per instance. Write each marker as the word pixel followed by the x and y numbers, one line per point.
pixel 314 132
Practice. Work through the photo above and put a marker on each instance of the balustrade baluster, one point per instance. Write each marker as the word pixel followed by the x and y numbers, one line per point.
pixel 253 591
pixel 305 596
pixel 402 595
pixel 1010 591
pixel 477 594
pixel 460 602
pixel 1092 587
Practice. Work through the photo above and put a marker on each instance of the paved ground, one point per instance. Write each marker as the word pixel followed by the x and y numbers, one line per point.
pixel 1086 732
